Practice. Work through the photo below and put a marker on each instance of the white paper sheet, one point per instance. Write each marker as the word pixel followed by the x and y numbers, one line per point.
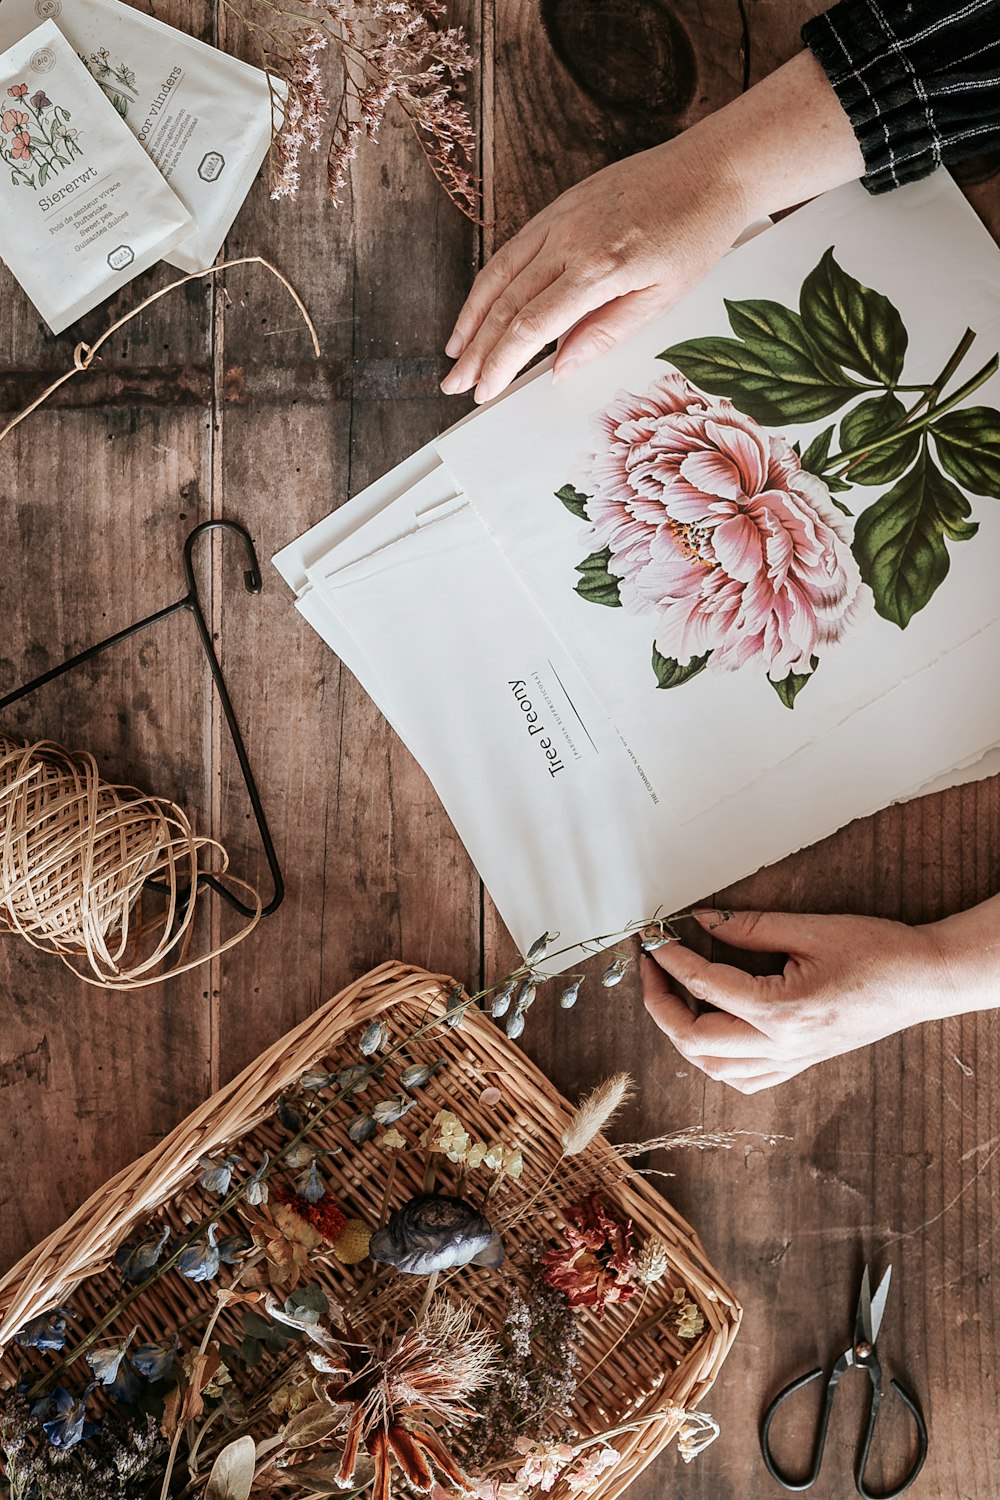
pixel 588 797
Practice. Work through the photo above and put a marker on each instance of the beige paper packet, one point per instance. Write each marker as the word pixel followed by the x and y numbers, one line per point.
pixel 202 116
pixel 82 208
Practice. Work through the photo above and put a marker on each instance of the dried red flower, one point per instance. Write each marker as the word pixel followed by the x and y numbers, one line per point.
pixel 597 1266
pixel 324 1216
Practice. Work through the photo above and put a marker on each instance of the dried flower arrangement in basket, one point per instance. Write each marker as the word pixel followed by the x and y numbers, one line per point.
pixel 387 1259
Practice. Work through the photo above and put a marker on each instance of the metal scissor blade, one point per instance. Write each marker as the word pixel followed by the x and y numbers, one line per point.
pixel 877 1307
pixel 863 1318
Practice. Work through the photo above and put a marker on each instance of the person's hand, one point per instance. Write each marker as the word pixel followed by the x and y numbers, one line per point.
pixel 847 981
pixel 630 241
pixel 601 260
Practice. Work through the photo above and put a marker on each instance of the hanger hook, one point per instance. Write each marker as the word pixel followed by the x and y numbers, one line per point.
pixel 252 581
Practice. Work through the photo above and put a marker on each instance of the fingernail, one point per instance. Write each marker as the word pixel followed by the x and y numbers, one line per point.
pixel 451 384
pixel 564 369
pixel 709 916
pixel 482 394
pixel 454 346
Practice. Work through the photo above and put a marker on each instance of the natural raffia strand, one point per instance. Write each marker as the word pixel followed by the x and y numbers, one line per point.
pixel 75 854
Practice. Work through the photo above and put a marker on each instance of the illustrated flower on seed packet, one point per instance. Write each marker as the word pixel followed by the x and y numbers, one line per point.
pixel 596 1267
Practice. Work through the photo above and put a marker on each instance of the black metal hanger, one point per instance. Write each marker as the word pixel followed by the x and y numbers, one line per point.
pixel 190 601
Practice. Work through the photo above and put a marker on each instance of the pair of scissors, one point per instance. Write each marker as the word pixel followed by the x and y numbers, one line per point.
pixel 862 1355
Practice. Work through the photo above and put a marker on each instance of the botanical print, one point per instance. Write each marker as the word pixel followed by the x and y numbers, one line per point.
pixel 117 81
pixel 35 140
pixel 729 538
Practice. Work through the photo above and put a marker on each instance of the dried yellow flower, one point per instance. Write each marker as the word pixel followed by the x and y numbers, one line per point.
pixel 392 1139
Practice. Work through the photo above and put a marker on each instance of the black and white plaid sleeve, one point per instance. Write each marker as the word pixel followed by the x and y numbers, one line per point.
pixel 919 80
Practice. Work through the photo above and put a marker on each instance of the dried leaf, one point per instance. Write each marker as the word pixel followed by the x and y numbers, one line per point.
pixel 232 1473
pixel 312 1425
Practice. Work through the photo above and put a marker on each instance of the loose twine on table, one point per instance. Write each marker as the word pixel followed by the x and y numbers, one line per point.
pixel 76 851
pixel 85 354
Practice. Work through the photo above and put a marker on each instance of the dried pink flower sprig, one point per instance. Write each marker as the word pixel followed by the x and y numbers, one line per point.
pixel 387 51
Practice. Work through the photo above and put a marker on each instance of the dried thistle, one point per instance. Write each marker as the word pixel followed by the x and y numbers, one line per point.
pixel 595 1112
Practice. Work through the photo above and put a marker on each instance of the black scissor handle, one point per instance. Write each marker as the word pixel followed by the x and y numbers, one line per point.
pixel 820 1442
pixel 918 1417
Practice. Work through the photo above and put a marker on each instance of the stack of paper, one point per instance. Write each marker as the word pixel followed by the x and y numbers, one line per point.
pixel 731 586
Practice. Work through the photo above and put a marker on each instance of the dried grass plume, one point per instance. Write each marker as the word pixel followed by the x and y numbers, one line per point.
pixel 595 1112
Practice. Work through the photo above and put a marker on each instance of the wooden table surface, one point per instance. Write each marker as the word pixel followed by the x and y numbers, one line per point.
pixel 211 404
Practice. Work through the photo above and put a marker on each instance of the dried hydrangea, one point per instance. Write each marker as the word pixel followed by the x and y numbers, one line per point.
pixel 596 1267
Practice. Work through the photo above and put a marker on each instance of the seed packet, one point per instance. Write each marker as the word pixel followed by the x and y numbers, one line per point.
pixel 202 116
pixel 82 208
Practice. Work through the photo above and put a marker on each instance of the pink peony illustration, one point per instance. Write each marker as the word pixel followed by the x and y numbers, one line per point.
pixel 13 119
pixel 717 532
pixel 20 146
pixel 18 91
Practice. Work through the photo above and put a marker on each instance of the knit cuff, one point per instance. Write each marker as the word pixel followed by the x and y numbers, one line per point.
pixel 879 90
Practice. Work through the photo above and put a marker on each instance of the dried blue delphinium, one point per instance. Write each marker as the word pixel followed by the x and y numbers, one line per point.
pixel 569 996
pixel 105 1360
pixel 356 1078
pixel 200 1261
pixel 291 1117
pixel 300 1156
pixel 615 973
pixel 125 1387
pixel 217 1173
pixel 310 1185
pixel 455 1007
pixel 47 1331
pixel 154 1361
pixel 433 1232
pixel 256 1190
pixel 501 1000
pixel 136 1261
pixel 70 1423
pixel 373 1038
pixel 233 1248
pixel 316 1079
pixel 515 1025
pixel 540 947
pixel 417 1074
pixel 361 1129
pixel 388 1111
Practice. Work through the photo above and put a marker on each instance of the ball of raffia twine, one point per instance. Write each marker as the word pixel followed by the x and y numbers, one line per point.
pixel 75 855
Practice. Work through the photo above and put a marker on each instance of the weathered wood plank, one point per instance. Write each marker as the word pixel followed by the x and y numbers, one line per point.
pixel 374 866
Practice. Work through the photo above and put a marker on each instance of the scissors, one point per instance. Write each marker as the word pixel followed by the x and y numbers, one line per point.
pixel 868 1320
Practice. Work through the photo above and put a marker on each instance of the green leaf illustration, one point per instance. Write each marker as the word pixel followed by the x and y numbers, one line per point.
pixel 596 584
pixel 874 419
pixel 772 372
pixel 121 104
pixel 43 174
pixel 671 673
pixel 574 501
pixel 852 324
pixel 814 459
pixel 789 688
pixel 968 445
pixel 900 541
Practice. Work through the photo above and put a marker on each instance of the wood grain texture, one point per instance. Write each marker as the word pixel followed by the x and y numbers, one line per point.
pixel 212 405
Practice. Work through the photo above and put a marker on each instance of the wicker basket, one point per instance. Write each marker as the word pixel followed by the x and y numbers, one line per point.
pixel 632 1369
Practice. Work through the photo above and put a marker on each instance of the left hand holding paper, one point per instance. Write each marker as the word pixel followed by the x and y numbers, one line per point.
pixel 847 981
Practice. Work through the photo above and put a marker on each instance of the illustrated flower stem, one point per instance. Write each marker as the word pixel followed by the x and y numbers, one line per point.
pixel 973 384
